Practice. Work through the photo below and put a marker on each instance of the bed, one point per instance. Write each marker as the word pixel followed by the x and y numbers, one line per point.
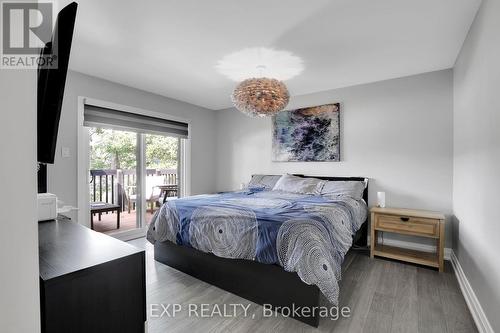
pixel 270 247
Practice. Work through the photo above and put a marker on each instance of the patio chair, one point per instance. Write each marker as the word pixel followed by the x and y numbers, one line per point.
pixel 152 194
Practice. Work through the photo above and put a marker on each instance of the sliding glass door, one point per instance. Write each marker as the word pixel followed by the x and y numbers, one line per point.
pixel 113 180
pixel 134 165
pixel 131 175
pixel 162 171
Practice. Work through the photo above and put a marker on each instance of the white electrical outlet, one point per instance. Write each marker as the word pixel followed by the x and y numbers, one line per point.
pixel 65 152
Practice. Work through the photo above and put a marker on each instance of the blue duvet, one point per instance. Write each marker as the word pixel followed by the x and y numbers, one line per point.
pixel 306 234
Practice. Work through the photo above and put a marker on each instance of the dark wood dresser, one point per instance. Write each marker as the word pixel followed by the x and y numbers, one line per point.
pixel 89 282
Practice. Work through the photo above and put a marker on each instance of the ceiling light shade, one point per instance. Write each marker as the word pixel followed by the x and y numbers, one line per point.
pixel 260 97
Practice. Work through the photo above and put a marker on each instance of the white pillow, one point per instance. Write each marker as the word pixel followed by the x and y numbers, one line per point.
pixel 294 184
pixel 265 181
pixel 352 189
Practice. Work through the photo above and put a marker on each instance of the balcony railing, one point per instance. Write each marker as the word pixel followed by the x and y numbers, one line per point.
pixel 117 185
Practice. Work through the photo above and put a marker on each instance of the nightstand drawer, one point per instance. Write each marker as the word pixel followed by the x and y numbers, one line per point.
pixel 409 225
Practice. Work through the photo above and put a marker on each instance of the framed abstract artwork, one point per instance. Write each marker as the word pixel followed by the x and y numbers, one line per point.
pixel 307 135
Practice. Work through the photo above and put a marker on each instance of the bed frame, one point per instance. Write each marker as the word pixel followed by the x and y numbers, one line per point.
pixel 257 282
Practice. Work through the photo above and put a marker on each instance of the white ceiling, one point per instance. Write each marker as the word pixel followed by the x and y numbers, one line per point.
pixel 172 47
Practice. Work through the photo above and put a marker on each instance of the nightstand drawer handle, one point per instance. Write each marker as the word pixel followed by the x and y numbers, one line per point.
pixel 405 219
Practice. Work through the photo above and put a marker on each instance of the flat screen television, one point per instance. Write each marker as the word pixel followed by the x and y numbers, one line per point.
pixel 51 82
pixel 50 90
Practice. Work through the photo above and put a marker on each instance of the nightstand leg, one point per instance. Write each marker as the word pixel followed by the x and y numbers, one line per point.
pixel 372 235
pixel 441 245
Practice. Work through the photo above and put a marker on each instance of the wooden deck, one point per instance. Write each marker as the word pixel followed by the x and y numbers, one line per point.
pixel 107 224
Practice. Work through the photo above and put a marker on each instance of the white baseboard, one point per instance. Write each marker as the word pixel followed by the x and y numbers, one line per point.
pixel 415 246
pixel 482 323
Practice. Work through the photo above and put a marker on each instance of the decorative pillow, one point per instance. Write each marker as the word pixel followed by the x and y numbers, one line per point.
pixel 263 182
pixel 352 189
pixel 257 188
pixel 294 184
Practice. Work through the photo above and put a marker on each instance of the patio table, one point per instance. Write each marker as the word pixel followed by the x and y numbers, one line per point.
pixel 103 207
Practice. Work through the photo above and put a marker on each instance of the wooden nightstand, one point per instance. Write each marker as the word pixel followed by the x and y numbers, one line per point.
pixel 408 222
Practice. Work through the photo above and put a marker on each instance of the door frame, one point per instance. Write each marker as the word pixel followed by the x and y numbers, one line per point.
pixel 83 161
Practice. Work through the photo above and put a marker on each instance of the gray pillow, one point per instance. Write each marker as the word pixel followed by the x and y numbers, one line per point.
pixel 352 189
pixel 264 181
pixel 294 184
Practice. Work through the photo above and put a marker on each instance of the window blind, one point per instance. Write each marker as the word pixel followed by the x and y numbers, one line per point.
pixel 96 116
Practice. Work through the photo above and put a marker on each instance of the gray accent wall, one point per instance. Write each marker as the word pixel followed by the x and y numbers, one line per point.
pixel 397 132
pixel 62 179
pixel 476 164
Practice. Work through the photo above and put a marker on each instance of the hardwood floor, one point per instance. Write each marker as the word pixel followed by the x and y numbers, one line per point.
pixel 384 296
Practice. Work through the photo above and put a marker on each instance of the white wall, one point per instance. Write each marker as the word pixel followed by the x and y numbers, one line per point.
pixel 476 181
pixel 396 132
pixel 63 174
pixel 19 293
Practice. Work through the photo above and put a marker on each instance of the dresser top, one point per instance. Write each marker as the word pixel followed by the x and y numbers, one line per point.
pixel 408 212
pixel 65 247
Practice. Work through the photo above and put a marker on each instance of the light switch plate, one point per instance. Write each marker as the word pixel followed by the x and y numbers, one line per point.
pixel 65 152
